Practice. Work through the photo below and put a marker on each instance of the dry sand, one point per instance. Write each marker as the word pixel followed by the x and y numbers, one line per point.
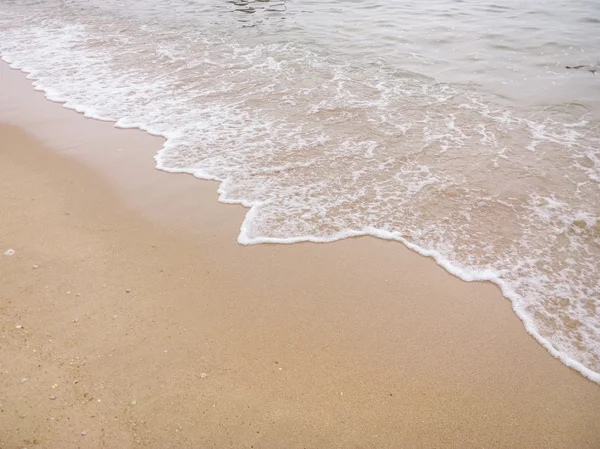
pixel 146 325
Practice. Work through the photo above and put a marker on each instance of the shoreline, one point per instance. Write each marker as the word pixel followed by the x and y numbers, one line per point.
pixel 242 237
pixel 377 345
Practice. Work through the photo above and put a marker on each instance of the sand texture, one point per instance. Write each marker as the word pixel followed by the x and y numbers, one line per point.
pixel 130 317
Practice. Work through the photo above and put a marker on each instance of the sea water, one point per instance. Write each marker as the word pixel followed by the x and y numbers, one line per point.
pixel 452 126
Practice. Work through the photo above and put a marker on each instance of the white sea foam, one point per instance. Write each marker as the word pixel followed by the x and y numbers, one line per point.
pixel 320 147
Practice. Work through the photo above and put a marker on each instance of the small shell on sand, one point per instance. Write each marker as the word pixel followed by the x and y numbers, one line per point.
pixel 19 326
pixel 9 252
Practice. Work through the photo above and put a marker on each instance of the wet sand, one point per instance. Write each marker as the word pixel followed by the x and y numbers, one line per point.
pixel 146 325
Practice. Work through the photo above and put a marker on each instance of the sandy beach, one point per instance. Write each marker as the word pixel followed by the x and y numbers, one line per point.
pixel 130 317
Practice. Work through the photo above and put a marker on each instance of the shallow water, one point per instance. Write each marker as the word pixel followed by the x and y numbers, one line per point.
pixel 451 126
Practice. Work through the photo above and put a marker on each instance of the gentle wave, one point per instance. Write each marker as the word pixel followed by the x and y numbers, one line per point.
pixel 322 146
